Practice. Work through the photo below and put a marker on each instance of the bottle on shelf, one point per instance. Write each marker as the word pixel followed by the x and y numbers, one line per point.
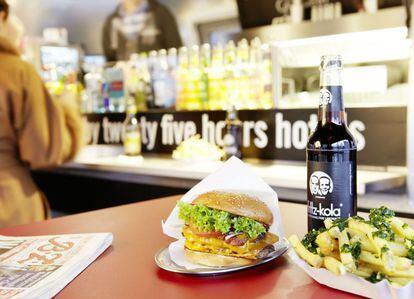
pixel 135 82
pixel 152 66
pixel 147 93
pixel 169 80
pixel 172 59
pixel 242 76
pixel 163 82
pixel 371 6
pixel 216 86
pixel 132 134
pixel 205 57
pixel 338 9
pixel 188 79
pixel 172 68
pixel 105 95
pixel 233 134
pixel 181 79
pixel 93 90
pixel 317 11
pixel 267 73
pixel 256 82
pixel 296 11
pixel 230 76
pixel 194 101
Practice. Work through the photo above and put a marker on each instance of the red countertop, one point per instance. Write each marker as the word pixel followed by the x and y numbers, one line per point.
pixel 127 268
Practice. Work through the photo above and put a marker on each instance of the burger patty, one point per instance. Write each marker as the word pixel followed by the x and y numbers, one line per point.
pixel 251 249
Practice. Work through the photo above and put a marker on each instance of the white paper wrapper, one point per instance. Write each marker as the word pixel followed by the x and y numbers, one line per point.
pixel 233 176
pixel 352 283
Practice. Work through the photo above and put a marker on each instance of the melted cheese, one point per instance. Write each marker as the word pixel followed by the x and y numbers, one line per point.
pixel 213 245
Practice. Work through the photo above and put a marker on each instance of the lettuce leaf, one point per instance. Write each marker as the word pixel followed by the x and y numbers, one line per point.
pixel 209 220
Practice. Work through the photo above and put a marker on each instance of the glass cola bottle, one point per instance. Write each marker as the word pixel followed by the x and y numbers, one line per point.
pixel 331 153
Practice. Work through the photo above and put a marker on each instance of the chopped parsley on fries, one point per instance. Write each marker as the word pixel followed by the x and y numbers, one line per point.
pixel 379 248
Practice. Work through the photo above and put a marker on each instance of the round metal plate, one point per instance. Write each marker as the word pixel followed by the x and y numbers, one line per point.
pixel 163 260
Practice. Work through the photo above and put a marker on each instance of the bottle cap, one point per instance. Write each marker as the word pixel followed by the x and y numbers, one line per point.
pixel 331 62
pixel 232 112
pixel 162 52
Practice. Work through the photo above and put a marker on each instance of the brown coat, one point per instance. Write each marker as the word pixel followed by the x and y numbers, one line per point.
pixel 35 131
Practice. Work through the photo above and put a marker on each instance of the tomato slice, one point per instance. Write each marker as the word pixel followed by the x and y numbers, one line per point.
pixel 202 234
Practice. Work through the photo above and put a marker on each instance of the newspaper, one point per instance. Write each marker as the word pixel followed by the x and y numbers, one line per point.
pixel 41 266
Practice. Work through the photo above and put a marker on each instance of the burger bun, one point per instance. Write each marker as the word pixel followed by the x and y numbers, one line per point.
pixel 215 260
pixel 237 204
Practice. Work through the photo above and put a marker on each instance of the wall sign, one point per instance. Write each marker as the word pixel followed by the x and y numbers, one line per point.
pixel 267 134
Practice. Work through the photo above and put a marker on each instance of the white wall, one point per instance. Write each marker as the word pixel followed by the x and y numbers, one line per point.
pixel 84 18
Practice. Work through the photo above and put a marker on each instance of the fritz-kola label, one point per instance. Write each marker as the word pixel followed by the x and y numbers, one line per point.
pixel 330 190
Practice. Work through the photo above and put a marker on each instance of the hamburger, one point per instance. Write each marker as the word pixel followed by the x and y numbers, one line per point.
pixel 226 229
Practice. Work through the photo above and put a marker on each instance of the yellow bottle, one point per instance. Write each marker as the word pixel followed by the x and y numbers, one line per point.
pixel 205 56
pixel 194 101
pixel 256 82
pixel 132 137
pixel 216 80
pixel 242 76
pixel 182 79
pixel 231 93
pixel 267 100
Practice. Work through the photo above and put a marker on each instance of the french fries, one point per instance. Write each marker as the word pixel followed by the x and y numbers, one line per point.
pixel 398 249
pixel 375 249
pixel 346 255
pixel 333 265
pixel 326 243
pixel 363 271
pixel 313 259
pixel 404 231
pixel 369 258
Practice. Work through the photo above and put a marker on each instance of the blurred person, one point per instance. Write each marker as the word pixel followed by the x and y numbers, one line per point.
pixel 10 26
pixel 139 26
pixel 36 131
